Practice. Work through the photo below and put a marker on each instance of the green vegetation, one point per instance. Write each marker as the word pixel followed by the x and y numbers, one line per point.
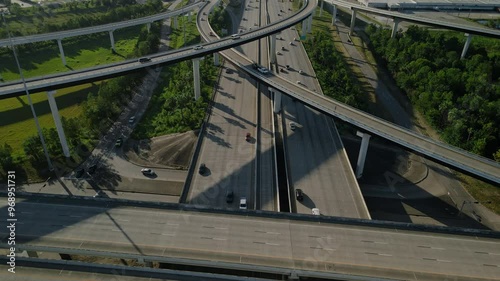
pixel 336 79
pixel 85 124
pixel 172 107
pixel 460 98
pixel 75 14
pixel 219 19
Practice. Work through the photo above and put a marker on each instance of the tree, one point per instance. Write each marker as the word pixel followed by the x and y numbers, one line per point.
pixel 6 159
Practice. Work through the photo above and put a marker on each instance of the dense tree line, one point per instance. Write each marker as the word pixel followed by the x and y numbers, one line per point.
pixel 332 70
pixel 81 14
pixel 460 98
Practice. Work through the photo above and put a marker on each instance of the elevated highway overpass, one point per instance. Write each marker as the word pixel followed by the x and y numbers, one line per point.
pixel 440 152
pixel 246 239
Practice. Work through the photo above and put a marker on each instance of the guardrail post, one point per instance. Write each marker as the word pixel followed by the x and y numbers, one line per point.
pixel 362 153
pixel 61 50
pixel 304 28
pixel 353 21
pixel 395 23
pixel 112 38
pixel 196 76
pixel 273 48
pixel 57 121
pixel 466 46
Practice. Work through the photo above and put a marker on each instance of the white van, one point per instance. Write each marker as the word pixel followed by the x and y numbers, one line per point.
pixel 243 203
pixel 235 36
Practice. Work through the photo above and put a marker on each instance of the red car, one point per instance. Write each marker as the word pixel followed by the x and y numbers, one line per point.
pixel 248 137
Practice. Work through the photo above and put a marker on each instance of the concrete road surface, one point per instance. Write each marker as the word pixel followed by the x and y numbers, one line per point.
pixel 322 247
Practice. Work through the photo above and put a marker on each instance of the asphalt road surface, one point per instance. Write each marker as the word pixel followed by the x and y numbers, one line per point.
pixel 317 162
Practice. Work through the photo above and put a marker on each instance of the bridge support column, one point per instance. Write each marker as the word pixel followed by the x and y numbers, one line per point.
pixel 304 28
pixel 196 75
pixel 57 121
pixel 176 22
pixel 353 21
pixel 273 48
pixel 309 24
pixel 32 254
pixel 395 23
pixel 216 59
pixel 112 38
pixel 466 46
pixel 276 100
pixel 148 26
pixel 61 50
pixel 321 8
pixel 362 153
pixel 334 14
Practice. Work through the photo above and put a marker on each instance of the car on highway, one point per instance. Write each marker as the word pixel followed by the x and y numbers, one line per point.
pixel 147 172
pixel 315 211
pixel 282 48
pixel 248 137
pixel 287 66
pixel 119 142
pixel 300 71
pixel 211 33
pixel 203 169
pixel 79 173
pixel 278 53
pixel 243 203
pixel 235 36
pixel 293 126
pixel 229 196
pixel 298 82
pixel 291 43
pixel 131 119
pixel 92 169
pixel 199 47
pixel 263 70
pixel 228 71
pixel 255 65
pixel 299 194
pixel 145 59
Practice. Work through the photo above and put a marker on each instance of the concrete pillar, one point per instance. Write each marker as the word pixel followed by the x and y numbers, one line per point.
pixel 196 75
pixel 176 22
pixel 32 254
pixel 353 21
pixel 304 28
pixel 334 14
pixel 61 50
pixel 466 46
pixel 112 38
pixel 321 8
pixel 148 26
pixel 277 100
pixel 310 24
pixel 273 48
pixel 216 59
pixel 362 153
pixel 57 121
pixel 395 23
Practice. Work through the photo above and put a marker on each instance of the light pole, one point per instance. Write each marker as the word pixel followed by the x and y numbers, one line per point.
pixel 39 129
pixel 470 202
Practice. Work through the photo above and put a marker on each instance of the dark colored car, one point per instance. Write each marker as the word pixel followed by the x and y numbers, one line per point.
pixel 143 60
pixel 299 194
pixel 248 137
pixel 92 169
pixel 229 196
pixel 203 169
pixel 79 172
pixel 119 142
pixel 255 65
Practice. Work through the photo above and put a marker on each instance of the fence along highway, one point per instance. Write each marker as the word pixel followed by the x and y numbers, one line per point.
pixel 462 160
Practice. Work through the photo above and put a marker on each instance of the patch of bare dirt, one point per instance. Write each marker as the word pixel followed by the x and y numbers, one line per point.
pixel 169 151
